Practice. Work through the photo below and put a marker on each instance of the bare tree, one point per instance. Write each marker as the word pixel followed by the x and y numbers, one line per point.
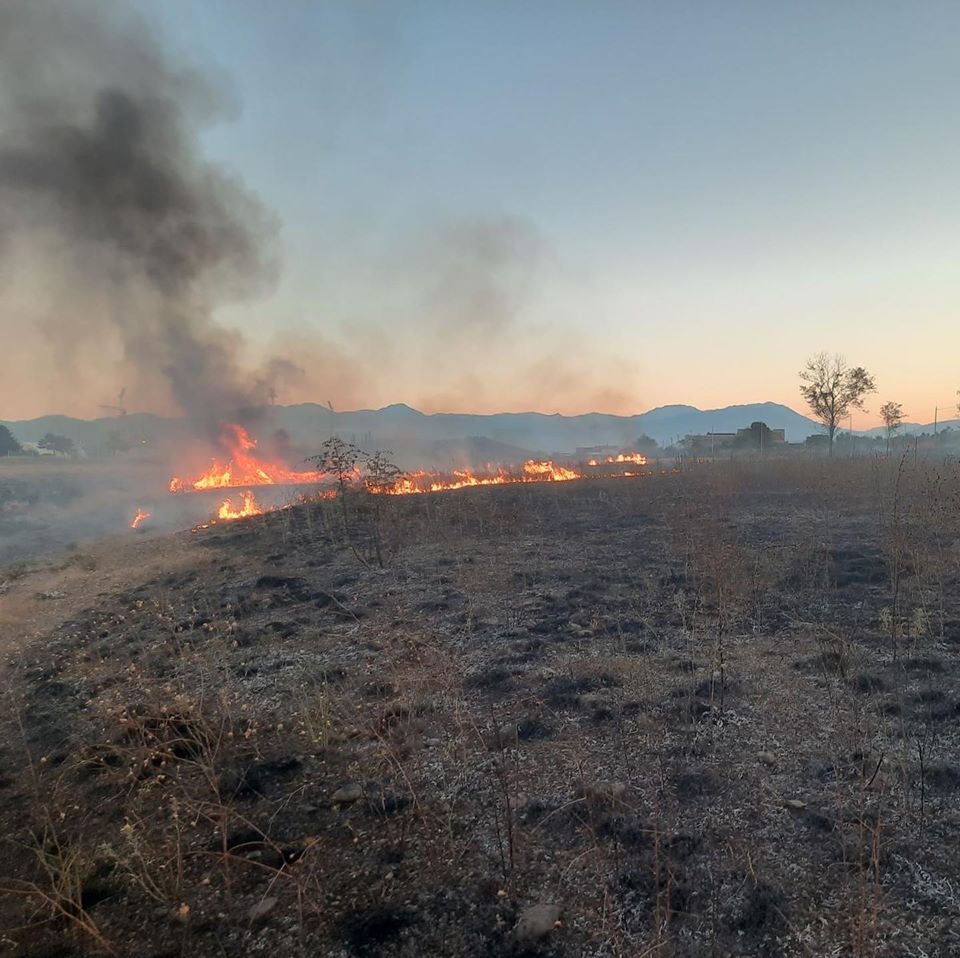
pixel 892 415
pixel 340 459
pixel 832 388
pixel 382 476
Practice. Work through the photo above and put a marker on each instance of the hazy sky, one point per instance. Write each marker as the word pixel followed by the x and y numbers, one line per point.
pixel 594 205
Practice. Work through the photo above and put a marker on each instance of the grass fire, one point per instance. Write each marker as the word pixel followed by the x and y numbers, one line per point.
pixel 244 467
pixel 479 480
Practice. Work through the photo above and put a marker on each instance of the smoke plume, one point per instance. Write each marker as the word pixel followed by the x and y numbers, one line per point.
pixel 105 194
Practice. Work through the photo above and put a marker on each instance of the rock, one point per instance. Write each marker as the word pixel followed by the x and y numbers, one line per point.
pixel 794 804
pixel 346 794
pixel 767 758
pixel 536 922
pixel 262 908
pixel 518 802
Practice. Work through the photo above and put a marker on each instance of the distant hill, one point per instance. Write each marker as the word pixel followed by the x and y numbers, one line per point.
pixel 539 431
pixel 92 434
pixel 462 437
pixel 914 428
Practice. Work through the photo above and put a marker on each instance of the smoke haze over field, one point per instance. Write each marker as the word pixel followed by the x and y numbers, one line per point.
pixel 643 205
pixel 119 242
pixel 116 233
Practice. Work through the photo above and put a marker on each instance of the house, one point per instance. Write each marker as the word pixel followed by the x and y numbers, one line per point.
pixel 758 432
pixel 758 435
pixel 708 442
pixel 32 449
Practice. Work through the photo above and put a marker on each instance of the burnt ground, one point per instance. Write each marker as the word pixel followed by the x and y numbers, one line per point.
pixel 715 713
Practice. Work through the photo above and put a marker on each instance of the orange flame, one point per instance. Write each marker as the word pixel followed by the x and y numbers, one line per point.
pixel 533 470
pixel 248 507
pixel 244 467
pixel 141 516
pixel 548 471
pixel 638 458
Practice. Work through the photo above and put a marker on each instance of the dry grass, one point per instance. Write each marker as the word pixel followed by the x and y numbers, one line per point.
pixel 707 714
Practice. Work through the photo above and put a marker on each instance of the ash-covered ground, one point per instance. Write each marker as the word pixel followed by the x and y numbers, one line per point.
pixel 709 714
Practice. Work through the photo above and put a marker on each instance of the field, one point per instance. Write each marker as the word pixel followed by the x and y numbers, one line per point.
pixel 48 502
pixel 715 713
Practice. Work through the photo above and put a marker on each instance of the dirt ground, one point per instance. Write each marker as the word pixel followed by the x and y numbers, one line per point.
pixel 708 714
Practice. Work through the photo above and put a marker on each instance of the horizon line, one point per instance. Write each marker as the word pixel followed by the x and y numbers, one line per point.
pixel 420 412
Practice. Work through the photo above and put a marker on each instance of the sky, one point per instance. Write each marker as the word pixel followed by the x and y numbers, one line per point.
pixel 590 206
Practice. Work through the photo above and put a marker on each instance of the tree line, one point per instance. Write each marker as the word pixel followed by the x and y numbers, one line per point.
pixel 832 388
pixel 829 385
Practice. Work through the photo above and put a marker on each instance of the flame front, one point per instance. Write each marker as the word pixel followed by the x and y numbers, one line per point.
pixel 533 470
pixel 141 516
pixel 637 458
pixel 244 467
pixel 248 507
pixel 549 471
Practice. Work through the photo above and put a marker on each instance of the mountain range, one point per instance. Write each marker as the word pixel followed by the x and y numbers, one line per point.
pixel 401 427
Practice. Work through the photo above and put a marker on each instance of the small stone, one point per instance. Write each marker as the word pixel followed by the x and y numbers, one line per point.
pixel 794 804
pixel 262 908
pixel 536 922
pixel 346 794
pixel 518 802
pixel 767 758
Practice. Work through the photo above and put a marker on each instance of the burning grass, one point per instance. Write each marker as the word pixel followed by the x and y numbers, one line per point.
pixel 140 517
pixel 693 715
pixel 245 468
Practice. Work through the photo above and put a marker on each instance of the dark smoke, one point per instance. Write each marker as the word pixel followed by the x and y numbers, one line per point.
pixel 102 182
